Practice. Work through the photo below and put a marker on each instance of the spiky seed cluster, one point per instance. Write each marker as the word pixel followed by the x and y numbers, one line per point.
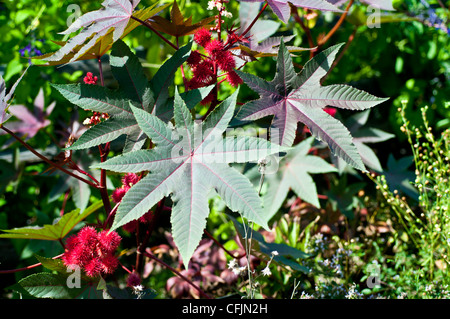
pixel 128 181
pixel 204 69
pixel 90 78
pixel 93 252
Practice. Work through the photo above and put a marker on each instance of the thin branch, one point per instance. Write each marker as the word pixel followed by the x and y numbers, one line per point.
pixel 337 25
pixel 45 159
pixel 141 246
pixel 103 156
pixel 177 273
pixel 305 29
pixel 144 23
pixel 254 20
pixel 341 54
pixel 221 246
pixel 100 69
pixel 11 271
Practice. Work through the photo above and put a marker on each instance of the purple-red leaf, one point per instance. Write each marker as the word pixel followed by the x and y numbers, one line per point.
pixel 282 9
pixel 293 98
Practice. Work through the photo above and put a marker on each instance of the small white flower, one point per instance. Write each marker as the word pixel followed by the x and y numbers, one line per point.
pixel 275 253
pixel 227 14
pixel 232 264
pixel 138 288
pixel 236 271
pixel 266 271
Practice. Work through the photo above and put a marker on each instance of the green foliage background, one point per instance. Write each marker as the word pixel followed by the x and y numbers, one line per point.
pixel 403 60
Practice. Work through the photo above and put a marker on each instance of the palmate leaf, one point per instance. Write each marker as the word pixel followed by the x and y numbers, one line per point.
pixel 294 174
pixel 268 47
pixel 178 26
pixel 134 87
pixel 188 161
pixel 282 9
pixel 100 29
pixel 293 98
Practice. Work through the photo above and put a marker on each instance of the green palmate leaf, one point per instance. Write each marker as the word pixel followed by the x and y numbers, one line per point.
pixel 163 79
pixel 293 98
pixel 188 161
pixel 399 177
pixel 260 245
pixel 52 232
pixel 343 195
pixel 62 283
pixel 100 29
pixel 128 72
pixel 294 174
pixel 47 285
pixel 102 44
pixel 134 88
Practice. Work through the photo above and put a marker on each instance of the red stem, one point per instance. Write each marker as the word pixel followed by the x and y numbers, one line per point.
pixel 156 32
pixel 45 159
pixel 221 246
pixel 255 19
pixel 11 271
pixel 337 25
pixel 177 273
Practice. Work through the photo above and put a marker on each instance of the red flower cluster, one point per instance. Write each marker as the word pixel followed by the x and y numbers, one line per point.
pixel 204 68
pixel 92 251
pixel 129 180
pixel 90 78
pixel 97 116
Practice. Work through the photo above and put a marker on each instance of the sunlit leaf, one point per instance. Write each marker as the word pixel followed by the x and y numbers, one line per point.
pixel 293 98
pixel 99 30
pixel 188 161
pixel 56 231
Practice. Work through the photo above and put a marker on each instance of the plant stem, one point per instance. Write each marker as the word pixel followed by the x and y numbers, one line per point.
pixel 156 32
pixel 305 28
pixel 11 271
pixel 100 69
pixel 341 54
pixel 337 25
pixel 103 156
pixel 255 19
pixel 221 246
pixel 177 273
pixel 45 159
pixel 141 246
